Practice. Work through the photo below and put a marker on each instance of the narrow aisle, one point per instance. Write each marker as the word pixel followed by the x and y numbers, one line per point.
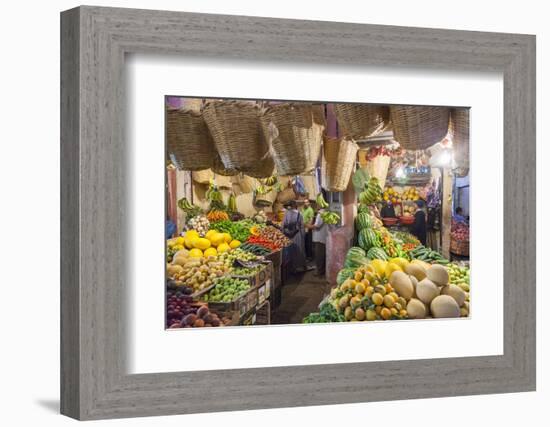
pixel 301 295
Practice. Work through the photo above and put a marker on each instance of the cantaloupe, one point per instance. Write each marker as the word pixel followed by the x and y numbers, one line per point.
pixel 210 252
pixel 227 237
pixel 458 294
pixel 195 253
pixel 379 266
pixel 234 244
pixel 426 291
pixel 416 309
pixel 390 268
pixel 401 262
pixel 416 270
pixel 402 284
pixel 216 239
pixel 438 274
pixel 444 306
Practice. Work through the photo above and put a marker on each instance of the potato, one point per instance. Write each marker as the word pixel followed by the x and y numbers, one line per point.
pixel 438 274
pixel 402 284
pixel 416 309
pixel 416 270
pixel 444 306
pixel 426 291
pixel 458 294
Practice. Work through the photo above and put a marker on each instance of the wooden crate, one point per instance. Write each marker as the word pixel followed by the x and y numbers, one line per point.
pixel 263 314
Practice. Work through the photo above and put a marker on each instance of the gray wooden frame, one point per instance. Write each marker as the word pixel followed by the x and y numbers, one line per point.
pixel 94 383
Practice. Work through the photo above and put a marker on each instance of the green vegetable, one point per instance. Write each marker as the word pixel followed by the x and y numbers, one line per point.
pixel 327 314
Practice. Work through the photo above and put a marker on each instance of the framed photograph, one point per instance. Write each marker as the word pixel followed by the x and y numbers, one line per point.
pixel 280 213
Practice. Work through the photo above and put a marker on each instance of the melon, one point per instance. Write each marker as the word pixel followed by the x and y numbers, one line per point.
pixel 401 283
pixel 458 294
pixel 416 309
pixel 444 306
pixel 438 274
pixel 416 270
pixel 426 291
pixel 363 220
pixel 201 243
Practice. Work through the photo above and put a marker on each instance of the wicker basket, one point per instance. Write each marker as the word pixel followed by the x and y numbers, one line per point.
pixel 264 168
pixel 219 168
pixel 265 200
pixel 460 131
pixel 203 176
pixel 360 121
pixel 294 133
pixel 188 140
pixel 236 130
pixel 460 247
pixel 286 195
pixel 417 128
pixel 245 183
pixel 339 157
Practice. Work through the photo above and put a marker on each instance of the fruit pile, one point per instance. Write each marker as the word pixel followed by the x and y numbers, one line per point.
pixel 399 289
pixel 196 273
pixel 246 271
pixel 460 231
pixel 227 289
pixel 366 297
pixel 394 196
pixel 200 224
pixel 372 192
pixel 229 258
pixel 181 312
pixel 460 276
pixel 212 244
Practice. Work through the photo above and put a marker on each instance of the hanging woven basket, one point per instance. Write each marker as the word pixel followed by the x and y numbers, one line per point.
pixel 189 142
pixel 294 133
pixel 264 168
pixel 360 121
pixel 236 131
pixel 417 128
pixel 219 168
pixel 459 129
pixel 339 155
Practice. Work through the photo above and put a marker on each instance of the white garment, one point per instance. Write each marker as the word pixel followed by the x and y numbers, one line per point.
pixel 320 230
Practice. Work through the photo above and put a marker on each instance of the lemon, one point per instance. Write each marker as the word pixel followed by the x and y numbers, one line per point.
pixel 227 237
pixel 234 244
pixel 195 253
pixel 180 240
pixel 210 233
pixel 223 247
pixel 210 252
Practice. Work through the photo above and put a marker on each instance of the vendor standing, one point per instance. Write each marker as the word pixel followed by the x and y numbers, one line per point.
pixel 319 238
pixel 307 215
pixel 293 228
pixel 418 228
pixel 388 210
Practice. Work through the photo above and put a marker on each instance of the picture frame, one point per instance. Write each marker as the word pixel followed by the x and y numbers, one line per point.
pixel 94 382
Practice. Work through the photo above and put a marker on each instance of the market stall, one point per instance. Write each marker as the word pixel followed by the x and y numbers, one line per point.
pixel 378 182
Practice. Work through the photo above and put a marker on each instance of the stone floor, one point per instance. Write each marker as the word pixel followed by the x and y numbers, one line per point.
pixel 301 295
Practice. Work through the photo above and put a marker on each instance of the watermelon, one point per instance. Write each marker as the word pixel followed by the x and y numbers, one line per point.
pixel 344 274
pixel 363 220
pixel 355 258
pixel 368 238
pixel 377 253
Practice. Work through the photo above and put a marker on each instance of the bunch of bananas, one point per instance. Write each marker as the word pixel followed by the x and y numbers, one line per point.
pixel 321 202
pixel 372 192
pixel 232 203
pixel 213 194
pixel 270 182
pixel 190 209
pixel 330 217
